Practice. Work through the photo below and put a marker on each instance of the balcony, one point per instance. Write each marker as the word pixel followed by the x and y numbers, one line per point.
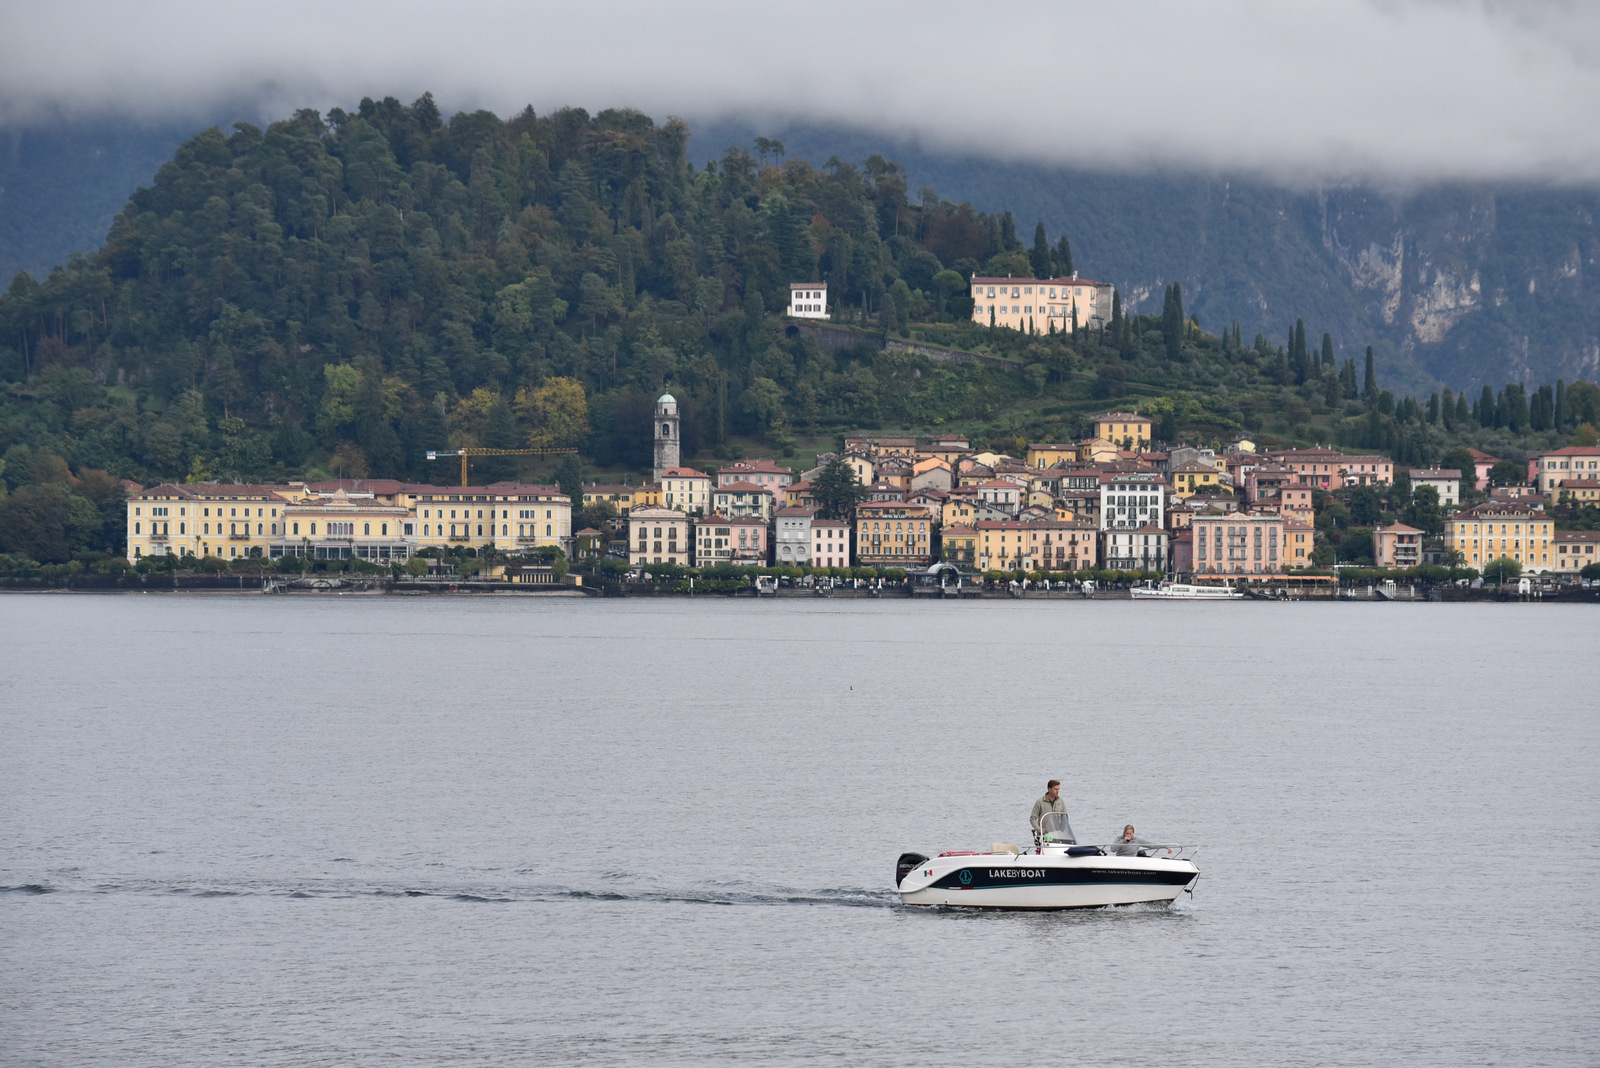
pixel 239 537
pixel 459 537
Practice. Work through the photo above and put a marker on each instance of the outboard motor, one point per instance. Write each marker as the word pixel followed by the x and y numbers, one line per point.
pixel 907 863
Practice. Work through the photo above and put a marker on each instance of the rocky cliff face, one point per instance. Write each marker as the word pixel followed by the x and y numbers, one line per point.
pixel 1474 284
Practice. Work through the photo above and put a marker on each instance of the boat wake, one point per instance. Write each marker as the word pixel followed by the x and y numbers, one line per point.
pixel 728 895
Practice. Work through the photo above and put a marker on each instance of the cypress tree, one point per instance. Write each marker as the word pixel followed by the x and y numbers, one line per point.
pixel 1447 410
pixel 1298 358
pixel 1463 411
pixel 1347 379
pixel 1008 233
pixel 1433 407
pixel 1516 401
pixel 1039 258
pixel 1172 321
pixel 1327 354
pixel 1369 387
pixel 1486 408
pixel 1559 416
pixel 1541 409
pixel 1064 257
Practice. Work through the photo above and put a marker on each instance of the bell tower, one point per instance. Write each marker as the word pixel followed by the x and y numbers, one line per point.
pixel 666 434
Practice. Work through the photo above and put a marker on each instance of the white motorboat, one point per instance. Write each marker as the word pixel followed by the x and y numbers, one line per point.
pixel 1185 591
pixel 1057 874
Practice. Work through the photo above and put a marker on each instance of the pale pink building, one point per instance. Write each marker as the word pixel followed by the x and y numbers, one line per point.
pixel 747 537
pixel 763 473
pixel 830 543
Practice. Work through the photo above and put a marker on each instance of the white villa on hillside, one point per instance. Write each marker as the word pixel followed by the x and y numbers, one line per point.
pixel 808 300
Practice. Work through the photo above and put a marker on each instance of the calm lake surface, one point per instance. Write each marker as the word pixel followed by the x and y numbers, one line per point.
pixel 365 830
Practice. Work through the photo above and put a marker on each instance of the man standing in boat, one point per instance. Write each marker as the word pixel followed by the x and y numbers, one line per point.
pixel 1050 802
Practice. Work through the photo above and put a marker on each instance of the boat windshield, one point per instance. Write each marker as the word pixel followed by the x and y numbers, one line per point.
pixel 1054 829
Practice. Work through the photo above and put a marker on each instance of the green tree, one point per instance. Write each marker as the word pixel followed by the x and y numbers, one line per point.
pixel 1502 570
pixel 837 491
pixel 569 476
pixel 1172 320
pixel 947 284
pixel 34 523
pixel 1424 512
pixel 1040 257
pixel 1063 258
pixel 1506 472
pixel 1366 506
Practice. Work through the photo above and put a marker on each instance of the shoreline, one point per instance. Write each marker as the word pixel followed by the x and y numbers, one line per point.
pixel 230 586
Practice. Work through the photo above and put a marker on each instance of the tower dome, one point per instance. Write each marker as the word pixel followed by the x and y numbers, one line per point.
pixel 667 398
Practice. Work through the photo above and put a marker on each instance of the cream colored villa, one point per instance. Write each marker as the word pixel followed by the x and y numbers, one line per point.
pixel 1040 305
pixel 379 521
pixel 1484 534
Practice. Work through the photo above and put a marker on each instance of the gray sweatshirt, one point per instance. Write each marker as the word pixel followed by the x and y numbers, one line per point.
pixel 1043 805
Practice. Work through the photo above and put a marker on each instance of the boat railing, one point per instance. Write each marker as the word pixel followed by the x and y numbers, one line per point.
pixel 1159 850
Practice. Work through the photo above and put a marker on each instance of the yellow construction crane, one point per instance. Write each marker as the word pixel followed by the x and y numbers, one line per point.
pixel 474 451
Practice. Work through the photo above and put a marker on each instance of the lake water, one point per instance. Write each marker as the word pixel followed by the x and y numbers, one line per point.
pixel 365 830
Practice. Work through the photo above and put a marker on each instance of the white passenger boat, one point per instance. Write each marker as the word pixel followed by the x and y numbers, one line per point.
pixel 1058 874
pixel 1186 591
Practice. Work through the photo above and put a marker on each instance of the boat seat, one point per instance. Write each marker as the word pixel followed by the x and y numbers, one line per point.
pixel 1004 847
pixel 1085 851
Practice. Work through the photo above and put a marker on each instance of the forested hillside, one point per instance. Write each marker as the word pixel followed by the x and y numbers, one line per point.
pixel 336 295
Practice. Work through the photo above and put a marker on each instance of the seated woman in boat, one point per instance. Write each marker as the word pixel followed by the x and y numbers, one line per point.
pixel 1128 845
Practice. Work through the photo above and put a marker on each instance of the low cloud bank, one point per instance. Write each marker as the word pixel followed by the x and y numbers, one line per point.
pixel 1400 90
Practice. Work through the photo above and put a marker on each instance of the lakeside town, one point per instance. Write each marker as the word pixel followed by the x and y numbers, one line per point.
pixel 1113 505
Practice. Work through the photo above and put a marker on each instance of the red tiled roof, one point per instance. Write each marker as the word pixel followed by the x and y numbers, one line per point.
pixel 985 280
pixel 382 486
pixel 765 467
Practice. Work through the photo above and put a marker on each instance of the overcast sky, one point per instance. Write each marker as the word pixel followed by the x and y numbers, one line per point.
pixel 1301 89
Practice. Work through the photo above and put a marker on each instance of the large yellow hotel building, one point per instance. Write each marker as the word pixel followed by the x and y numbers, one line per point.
pixel 1484 534
pixel 1040 305
pixel 378 520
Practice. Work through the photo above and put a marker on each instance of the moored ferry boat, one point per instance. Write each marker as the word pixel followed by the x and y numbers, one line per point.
pixel 1058 874
pixel 1186 591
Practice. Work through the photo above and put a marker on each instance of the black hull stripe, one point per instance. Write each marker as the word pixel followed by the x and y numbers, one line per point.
pixel 1000 878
